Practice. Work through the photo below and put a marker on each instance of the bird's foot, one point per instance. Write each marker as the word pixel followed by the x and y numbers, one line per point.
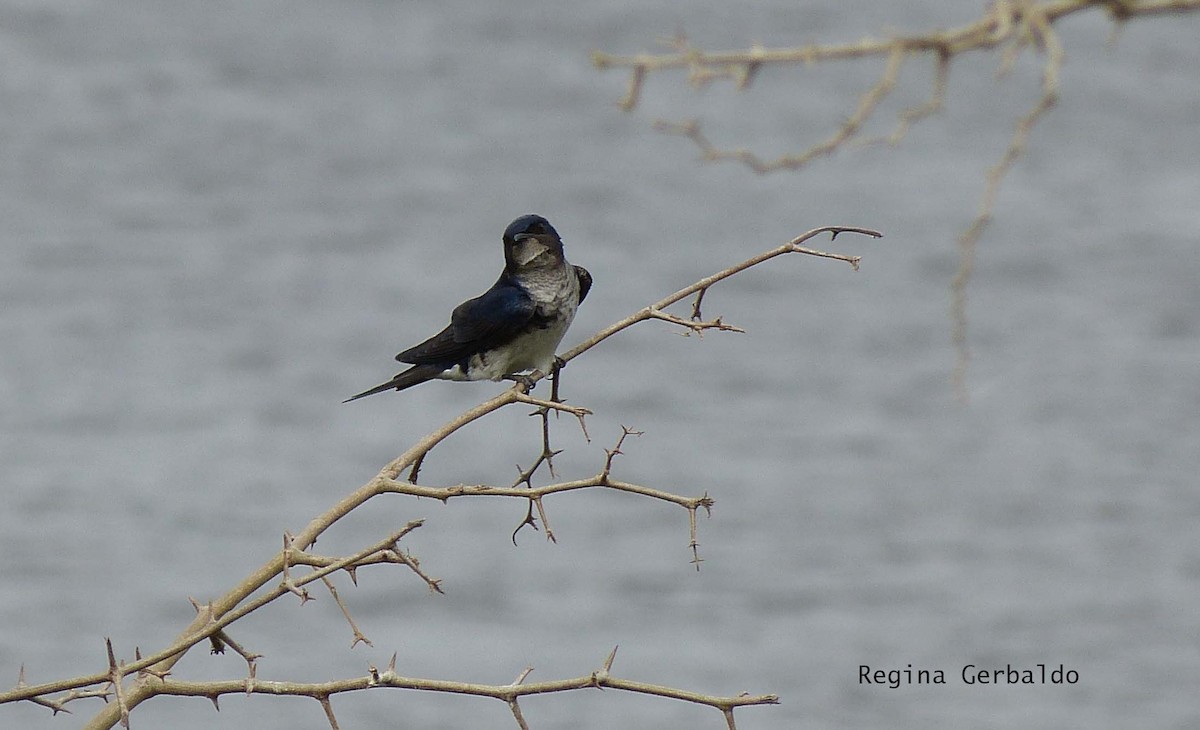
pixel 526 380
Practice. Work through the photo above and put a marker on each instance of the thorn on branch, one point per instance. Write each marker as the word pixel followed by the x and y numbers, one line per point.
pixel 609 661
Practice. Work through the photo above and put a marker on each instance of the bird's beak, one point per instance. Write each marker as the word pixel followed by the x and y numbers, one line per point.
pixel 528 248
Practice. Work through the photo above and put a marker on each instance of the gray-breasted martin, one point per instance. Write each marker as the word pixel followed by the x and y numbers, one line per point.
pixel 511 328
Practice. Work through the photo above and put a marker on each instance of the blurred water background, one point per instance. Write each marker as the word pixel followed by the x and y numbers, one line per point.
pixel 218 220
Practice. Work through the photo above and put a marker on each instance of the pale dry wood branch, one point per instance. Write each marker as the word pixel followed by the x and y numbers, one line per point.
pixel 603 479
pixel 793 246
pixel 445 494
pixel 849 128
pixel 996 26
pixel 249 595
pixel 508 693
pixel 695 326
pixel 1010 25
pixel 387 556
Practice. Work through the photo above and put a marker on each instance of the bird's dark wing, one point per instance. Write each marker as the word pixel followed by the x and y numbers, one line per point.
pixel 477 325
pixel 585 282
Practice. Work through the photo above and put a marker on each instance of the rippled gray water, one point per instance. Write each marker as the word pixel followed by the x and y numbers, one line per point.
pixel 221 219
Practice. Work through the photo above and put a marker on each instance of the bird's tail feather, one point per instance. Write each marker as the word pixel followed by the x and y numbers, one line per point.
pixel 413 376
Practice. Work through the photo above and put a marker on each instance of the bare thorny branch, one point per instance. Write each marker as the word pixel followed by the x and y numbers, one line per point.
pixel 152 675
pixel 601 678
pixel 1011 25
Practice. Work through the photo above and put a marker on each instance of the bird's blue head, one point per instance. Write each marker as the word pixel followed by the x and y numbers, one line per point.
pixel 531 241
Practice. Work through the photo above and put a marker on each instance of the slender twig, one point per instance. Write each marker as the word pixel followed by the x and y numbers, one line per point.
pixel 358 634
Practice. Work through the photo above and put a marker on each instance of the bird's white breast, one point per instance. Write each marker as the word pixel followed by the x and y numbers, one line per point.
pixel 556 294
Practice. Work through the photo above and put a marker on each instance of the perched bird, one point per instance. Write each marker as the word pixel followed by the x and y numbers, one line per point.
pixel 513 327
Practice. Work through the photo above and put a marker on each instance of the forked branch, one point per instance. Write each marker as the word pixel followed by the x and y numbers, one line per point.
pixel 152 675
pixel 1012 26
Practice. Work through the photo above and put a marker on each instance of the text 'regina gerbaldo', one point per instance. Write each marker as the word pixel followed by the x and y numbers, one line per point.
pixel 970 674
